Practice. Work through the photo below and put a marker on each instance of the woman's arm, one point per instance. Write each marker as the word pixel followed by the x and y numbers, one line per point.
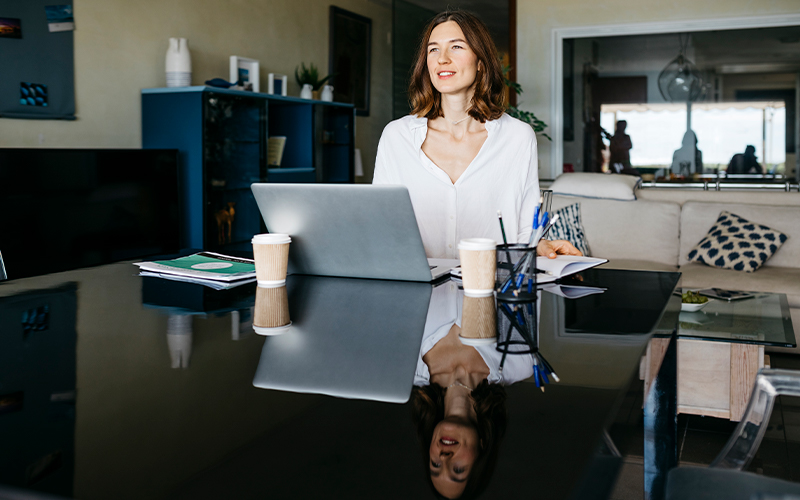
pixel 530 193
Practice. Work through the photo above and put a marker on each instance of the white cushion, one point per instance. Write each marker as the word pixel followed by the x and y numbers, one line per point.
pixel 638 230
pixel 697 217
pixel 601 186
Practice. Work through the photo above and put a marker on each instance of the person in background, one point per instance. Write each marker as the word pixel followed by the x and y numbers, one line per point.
pixel 620 150
pixel 687 160
pixel 745 163
pixel 460 155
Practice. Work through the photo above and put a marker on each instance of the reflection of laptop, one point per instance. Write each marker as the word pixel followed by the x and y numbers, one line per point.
pixel 357 231
pixel 349 338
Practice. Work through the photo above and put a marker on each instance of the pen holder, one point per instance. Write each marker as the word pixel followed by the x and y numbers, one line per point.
pixel 516 273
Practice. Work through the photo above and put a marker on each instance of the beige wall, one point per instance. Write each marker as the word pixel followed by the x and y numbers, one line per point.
pixel 537 18
pixel 120 47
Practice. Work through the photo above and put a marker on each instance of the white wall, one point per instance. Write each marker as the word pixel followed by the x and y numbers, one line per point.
pixel 537 18
pixel 120 46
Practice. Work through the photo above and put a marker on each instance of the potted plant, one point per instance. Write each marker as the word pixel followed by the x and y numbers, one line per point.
pixel 310 76
pixel 526 116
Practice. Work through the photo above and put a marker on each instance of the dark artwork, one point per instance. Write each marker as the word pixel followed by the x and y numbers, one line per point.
pixel 32 94
pixel 351 38
pixel 10 28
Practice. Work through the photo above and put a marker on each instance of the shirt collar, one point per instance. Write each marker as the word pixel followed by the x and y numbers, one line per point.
pixel 419 124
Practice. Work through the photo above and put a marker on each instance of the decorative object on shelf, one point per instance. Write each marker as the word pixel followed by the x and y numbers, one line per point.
pixel 309 76
pixel 349 60
pixel 224 218
pixel 327 93
pixel 277 84
pixel 179 63
pixel 307 92
pixel 245 72
pixel 220 83
pixel 275 147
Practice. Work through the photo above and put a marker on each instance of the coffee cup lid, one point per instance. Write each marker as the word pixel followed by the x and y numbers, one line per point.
pixel 271 239
pixel 263 330
pixel 477 244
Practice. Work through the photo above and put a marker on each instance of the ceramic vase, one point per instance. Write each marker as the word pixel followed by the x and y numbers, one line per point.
pixel 327 93
pixel 179 63
pixel 306 93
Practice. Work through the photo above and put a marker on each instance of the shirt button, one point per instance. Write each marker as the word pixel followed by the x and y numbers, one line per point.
pixel 451 217
pixel 451 246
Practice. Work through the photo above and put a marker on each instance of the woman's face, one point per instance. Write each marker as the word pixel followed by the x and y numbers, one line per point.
pixel 452 64
pixel 453 451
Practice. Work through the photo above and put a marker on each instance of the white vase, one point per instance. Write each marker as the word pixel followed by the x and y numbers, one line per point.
pixel 179 63
pixel 327 93
pixel 306 92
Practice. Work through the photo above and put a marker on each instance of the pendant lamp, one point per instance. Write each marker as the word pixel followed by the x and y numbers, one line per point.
pixel 680 81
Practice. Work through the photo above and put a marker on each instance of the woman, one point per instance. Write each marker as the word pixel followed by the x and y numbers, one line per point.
pixel 460 156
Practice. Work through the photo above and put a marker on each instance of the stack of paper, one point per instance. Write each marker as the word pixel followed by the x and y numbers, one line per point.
pixel 205 268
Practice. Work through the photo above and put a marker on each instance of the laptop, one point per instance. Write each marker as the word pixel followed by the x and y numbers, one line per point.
pixel 349 338
pixel 355 231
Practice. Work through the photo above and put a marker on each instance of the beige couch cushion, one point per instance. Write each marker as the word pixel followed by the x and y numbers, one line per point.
pixel 766 279
pixel 637 230
pixel 697 218
pixel 638 265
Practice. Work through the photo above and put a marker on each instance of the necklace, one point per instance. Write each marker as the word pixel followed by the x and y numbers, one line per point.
pixel 460 385
pixel 459 121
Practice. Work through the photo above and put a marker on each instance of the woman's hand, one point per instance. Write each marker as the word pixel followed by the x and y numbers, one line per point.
pixel 556 247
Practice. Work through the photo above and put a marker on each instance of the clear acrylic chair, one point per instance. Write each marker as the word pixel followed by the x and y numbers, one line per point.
pixel 725 477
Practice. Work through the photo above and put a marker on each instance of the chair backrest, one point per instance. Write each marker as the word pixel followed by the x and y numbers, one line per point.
pixel 743 444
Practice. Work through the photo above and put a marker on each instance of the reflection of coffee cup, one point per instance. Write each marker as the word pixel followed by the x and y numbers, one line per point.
pixel 271 316
pixel 271 253
pixel 478 266
pixel 478 318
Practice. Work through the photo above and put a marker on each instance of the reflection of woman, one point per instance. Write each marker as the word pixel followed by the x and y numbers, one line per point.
pixel 459 401
pixel 460 156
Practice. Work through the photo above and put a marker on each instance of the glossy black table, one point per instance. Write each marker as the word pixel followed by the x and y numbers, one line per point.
pixel 113 386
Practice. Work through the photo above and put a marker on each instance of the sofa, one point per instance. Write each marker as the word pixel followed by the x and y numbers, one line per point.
pixel 657 230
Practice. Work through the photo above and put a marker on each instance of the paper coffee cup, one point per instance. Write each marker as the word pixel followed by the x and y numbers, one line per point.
pixel 478 266
pixel 478 320
pixel 271 253
pixel 271 315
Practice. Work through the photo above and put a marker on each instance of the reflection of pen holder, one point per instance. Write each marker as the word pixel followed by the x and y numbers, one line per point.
pixel 517 327
pixel 271 315
pixel 516 273
pixel 478 320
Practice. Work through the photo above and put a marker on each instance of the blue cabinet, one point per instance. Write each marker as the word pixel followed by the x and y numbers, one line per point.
pixel 221 136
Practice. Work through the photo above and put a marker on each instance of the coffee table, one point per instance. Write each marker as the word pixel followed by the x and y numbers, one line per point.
pixel 721 349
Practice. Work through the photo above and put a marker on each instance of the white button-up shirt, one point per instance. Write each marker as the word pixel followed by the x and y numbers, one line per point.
pixel 503 176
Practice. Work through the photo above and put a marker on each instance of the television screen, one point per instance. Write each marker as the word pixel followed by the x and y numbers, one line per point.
pixel 63 209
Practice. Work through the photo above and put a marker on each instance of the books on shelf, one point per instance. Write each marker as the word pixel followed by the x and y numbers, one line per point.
pixel 206 268
pixel 275 146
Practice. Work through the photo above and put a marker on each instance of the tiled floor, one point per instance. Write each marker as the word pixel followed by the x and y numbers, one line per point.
pixel 700 439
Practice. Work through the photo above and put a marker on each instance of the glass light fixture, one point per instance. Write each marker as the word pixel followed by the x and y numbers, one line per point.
pixel 680 80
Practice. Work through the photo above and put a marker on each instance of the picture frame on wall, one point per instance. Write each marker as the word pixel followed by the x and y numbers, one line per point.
pixel 246 70
pixel 349 60
pixel 276 84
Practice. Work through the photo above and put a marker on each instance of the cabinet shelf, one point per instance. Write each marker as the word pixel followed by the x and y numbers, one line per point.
pixel 222 138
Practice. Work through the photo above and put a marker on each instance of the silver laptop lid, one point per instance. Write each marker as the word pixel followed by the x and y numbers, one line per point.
pixel 358 231
pixel 349 338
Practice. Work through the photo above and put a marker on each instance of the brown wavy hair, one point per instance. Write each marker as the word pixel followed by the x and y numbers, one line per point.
pixel 489 99
pixel 427 410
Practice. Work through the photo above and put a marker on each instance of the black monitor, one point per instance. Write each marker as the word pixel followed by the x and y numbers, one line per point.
pixel 63 209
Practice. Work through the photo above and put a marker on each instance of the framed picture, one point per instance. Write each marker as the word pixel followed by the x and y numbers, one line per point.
pixel 349 61
pixel 246 70
pixel 277 84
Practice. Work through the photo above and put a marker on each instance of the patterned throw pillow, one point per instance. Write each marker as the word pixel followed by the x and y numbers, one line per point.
pixel 568 227
pixel 736 243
